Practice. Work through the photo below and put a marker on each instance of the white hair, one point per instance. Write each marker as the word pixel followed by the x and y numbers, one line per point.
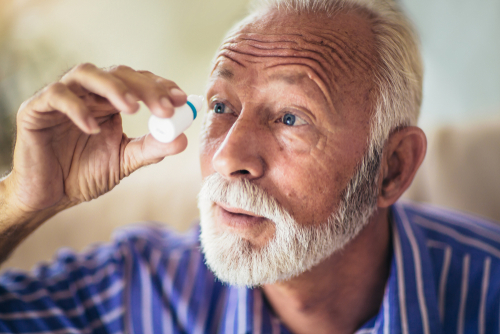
pixel 399 70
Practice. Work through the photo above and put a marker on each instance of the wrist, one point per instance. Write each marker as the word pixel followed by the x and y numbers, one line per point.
pixel 15 223
pixel 12 212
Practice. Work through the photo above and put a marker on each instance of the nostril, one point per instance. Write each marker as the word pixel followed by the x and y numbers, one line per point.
pixel 241 172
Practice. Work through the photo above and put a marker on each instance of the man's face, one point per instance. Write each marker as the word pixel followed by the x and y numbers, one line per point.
pixel 290 100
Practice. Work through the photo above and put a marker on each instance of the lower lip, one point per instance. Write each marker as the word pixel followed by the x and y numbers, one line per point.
pixel 237 220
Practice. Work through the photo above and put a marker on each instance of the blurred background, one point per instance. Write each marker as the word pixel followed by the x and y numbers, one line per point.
pixel 40 39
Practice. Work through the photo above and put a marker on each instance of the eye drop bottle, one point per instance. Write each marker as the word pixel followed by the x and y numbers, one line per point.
pixel 166 130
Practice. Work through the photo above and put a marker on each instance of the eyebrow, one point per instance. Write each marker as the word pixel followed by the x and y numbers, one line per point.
pixel 289 78
pixel 225 73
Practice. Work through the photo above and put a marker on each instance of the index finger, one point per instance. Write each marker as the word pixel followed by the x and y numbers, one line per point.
pixel 102 83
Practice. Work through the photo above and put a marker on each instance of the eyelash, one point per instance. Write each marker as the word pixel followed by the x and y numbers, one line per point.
pixel 280 120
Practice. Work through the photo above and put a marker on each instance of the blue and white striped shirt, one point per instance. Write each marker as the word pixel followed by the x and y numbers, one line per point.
pixel 444 278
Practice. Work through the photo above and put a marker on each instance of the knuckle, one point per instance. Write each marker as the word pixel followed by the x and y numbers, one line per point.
pixel 148 73
pixel 162 84
pixel 84 67
pixel 119 69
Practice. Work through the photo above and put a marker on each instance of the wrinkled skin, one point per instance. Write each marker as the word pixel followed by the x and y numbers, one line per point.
pixel 278 65
pixel 320 70
pixel 70 145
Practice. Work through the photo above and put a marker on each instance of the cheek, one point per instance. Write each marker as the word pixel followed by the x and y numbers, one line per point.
pixel 296 141
pixel 213 133
pixel 309 185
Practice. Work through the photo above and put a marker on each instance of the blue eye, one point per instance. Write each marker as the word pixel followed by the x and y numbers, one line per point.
pixel 219 108
pixel 289 119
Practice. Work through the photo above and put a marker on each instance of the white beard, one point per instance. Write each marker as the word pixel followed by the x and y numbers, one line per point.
pixel 294 248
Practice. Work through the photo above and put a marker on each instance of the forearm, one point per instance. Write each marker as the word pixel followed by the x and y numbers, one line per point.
pixel 16 224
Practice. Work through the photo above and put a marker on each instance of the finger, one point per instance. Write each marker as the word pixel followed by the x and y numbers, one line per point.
pixel 104 84
pixel 160 95
pixel 177 96
pixel 58 97
pixel 146 150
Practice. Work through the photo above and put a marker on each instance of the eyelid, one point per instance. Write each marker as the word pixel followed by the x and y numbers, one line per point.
pixel 298 115
pixel 214 100
pixel 303 121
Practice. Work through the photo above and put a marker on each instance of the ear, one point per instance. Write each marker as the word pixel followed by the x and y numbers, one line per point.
pixel 403 154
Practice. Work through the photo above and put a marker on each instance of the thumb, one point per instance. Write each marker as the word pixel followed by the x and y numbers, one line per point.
pixel 146 150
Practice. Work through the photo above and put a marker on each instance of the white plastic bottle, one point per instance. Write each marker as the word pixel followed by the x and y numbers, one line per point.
pixel 166 130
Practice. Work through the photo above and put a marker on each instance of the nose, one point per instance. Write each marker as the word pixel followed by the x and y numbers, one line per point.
pixel 239 155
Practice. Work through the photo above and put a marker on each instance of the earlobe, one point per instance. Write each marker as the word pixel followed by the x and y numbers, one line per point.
pixel 403 154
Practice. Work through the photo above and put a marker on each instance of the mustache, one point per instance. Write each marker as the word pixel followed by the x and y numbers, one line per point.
pixel 242 194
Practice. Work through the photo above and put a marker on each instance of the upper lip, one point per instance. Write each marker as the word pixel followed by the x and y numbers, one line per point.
pixel 237 210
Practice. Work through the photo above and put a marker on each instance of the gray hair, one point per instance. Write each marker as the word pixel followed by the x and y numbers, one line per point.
pixel 399 71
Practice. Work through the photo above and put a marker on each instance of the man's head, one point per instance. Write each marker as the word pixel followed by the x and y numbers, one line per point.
pixel 303 97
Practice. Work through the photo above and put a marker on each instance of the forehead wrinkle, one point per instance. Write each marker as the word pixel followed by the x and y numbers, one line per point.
pixel 330 50
pixel 319 81
pixel 297 39
pixel 293 78
pixel 228 56
pixel 327 56
pixel 288 58
pixel 282 50
pixel 336 42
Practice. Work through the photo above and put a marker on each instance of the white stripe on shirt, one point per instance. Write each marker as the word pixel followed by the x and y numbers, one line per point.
pixel 401 282
pixel 484 294
pixel 443 281
pixel 463 294
pixel 242 310
pixel 418 270
pixel 457 236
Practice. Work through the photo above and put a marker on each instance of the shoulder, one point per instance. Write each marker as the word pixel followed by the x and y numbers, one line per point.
pixel 464 251
pixel 463 232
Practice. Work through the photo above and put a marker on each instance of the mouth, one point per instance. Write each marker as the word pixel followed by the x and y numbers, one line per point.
pixel 237 218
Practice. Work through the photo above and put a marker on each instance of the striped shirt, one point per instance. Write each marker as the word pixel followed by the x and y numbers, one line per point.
pixel 444 278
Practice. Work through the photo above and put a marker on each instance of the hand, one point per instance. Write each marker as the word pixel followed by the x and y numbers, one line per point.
pixel 70 145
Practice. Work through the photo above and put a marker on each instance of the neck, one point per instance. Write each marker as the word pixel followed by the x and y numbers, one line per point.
pixel 342 292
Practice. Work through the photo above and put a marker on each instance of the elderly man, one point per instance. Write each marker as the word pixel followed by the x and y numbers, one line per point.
pixel 308 143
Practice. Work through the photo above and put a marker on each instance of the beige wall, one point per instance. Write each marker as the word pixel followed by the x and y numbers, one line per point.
pixel 172 38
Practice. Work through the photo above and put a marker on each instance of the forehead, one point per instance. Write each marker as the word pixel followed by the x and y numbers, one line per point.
pixel 336 52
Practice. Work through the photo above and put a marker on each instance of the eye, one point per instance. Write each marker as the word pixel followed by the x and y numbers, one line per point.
pixel 220 108
pixel 292 120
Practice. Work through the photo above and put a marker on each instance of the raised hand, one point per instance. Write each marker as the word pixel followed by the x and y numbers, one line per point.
pixel 70 145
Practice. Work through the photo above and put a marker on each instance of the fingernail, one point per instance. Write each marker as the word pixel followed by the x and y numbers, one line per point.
pixel 177 93
pixel 130 98
pixel 165 103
